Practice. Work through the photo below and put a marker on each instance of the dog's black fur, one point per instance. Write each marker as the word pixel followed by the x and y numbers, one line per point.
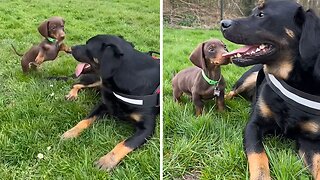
pixel 294 56
pixel 121 69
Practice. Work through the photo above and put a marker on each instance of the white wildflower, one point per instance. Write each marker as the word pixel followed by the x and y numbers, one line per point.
pixel 40 156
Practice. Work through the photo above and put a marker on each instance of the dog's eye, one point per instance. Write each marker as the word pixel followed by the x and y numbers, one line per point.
pixel 260 14
pixel 211 49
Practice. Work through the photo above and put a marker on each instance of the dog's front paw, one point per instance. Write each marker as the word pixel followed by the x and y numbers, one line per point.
pixel 68 50
pixel 230 95
pixel 71 133
pixel 71 97
pixel 107 162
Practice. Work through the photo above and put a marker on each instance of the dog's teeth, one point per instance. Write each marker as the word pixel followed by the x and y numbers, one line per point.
pixel 252 52
pixel 262 46
pixel 257 50
pixel 238 55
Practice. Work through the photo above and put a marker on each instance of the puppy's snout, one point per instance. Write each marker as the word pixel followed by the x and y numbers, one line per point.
pixel 225 24
pixel 62 35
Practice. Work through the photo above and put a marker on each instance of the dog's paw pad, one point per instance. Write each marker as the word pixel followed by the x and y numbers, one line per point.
pixel 107 162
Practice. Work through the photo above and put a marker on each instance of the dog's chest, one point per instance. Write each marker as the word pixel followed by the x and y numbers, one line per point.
pixel 210 93
pixel 292 120
pixel 51 51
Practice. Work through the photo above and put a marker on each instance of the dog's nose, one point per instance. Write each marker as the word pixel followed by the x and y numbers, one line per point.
pixel 225 24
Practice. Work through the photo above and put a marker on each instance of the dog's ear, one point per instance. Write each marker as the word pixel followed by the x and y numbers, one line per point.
pixel 110 60
pixel 299 17
pixel 309 44
pixel 117 50
pixel 196 56
pixel 43 28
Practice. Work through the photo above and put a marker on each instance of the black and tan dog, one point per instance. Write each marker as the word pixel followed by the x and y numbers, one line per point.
pixel 204 81
pixel 52 30
pixel 283 37
pixel 129 82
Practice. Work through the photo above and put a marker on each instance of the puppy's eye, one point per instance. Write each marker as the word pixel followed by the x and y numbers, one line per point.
pixel 260 14
pixel 211 50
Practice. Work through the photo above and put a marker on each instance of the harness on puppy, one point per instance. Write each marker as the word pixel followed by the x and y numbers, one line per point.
pixel 306 102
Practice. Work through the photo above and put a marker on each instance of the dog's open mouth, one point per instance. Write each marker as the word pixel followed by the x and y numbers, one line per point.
pixel 81 68
pixel 250 54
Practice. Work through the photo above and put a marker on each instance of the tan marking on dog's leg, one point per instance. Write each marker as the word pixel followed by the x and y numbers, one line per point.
pixel 65 48
pixel 289 32
pixel 230 95
pixel 316 166
pixel 76 130
pixel 199 111
pixel 310 126
pixel 110 160
pixel 248 83
pixel 73 93
pixel 40 57
pixel 264 109
pixel 136 117
pixel 258 166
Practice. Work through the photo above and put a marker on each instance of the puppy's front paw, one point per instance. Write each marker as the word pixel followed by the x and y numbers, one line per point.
pixel 107 162
pixel 71 133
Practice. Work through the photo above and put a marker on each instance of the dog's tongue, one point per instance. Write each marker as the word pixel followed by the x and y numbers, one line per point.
pixel 240 50
pixel 79 69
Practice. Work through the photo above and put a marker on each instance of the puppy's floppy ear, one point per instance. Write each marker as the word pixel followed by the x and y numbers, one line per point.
pixel 43 28
pixel 309 44
pixel 116 49
pixel 196 56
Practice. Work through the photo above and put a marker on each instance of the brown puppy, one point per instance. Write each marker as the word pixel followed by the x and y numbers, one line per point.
pixel 53 32
pixel 205 81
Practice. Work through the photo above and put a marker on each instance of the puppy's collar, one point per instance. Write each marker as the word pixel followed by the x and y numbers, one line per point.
pixel 52 40
pixel 209 81
pixel 303 101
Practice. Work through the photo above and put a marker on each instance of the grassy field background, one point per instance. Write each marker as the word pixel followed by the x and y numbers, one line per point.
pixel 210 146
pixel 33 111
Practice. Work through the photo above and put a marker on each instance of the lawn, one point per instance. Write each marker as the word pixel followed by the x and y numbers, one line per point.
pixel 210 146
pixel 33 111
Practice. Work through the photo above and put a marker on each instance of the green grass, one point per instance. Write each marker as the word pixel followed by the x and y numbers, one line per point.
pixel 210 146
pixel 32 120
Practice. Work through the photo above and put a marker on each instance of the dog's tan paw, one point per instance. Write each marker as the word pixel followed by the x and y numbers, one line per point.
pixel 230 95
pixel 71 133
pixel 107 162
pixel 71 97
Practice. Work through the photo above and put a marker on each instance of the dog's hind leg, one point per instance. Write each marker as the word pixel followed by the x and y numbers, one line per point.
pixel 177 93
pixel 145 128
pixel 309 151
pixel 85 123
